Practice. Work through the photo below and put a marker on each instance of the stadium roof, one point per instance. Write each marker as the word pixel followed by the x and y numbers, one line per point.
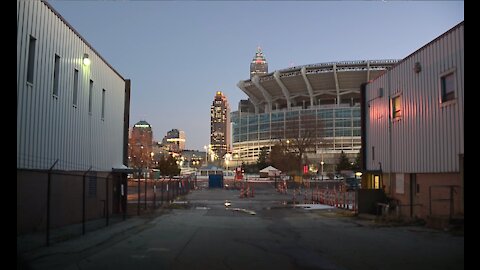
pixel 310 85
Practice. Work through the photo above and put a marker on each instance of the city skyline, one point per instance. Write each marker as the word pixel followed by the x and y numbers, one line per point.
pixel 178 54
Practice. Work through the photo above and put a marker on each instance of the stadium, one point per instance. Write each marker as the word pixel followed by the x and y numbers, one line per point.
pixel 284 104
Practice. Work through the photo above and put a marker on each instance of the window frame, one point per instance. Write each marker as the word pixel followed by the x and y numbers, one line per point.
pixel 445 97
pixel 396 114
pixel 56 76
pixel 90 97
pixel 75 87
pixel 103 104
pixel 31 60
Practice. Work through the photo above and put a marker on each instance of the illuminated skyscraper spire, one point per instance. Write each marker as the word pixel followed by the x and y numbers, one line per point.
pixel 259 65
pixel 220 140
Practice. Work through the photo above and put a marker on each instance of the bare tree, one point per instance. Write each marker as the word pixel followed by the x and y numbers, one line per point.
pixel 300 134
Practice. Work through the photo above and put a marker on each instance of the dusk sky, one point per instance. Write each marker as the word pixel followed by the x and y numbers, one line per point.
pixel 179 53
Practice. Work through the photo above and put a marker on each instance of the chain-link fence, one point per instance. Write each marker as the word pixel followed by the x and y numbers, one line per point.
pixel 146 194
pixel 57 205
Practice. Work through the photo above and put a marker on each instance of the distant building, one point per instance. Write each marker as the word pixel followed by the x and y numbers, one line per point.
pixel 174 141
pixel 259 65
pixel 413 119
pixel 320 102
pixel 193 158
pixel 141 145
pixel 220 126
pixel 72 124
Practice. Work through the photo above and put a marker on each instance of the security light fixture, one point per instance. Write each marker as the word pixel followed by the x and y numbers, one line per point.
pixel 86 60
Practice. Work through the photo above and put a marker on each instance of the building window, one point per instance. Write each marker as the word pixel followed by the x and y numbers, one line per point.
pixel 90 94
pixel 31 59
pixel 103 104
pixel 75 87
pixel 56 75
pixel 396 107
pixel 448 87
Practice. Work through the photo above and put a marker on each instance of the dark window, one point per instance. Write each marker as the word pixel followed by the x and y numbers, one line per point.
pixel 56 75
pixel 373 152
pixel 75 87
pixel 103 104
pixel 31 59
pixel 448 87
pixel 90 93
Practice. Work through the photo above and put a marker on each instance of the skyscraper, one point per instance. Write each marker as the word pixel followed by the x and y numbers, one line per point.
pixel 259 65
pixel 140 145
pixel 174 140
pixel 220 126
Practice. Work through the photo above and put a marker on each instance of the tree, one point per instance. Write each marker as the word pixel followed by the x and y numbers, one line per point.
pixel 250 168
pixel 299 135
pixel 168 166
pixel 283 160
pixel 262 158
pixel 343 162
pixel 356 164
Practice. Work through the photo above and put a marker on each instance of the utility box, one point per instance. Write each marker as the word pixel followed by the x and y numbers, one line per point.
pixel 215 181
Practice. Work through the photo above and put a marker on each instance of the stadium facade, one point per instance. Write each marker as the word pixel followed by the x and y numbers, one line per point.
pixel 284 104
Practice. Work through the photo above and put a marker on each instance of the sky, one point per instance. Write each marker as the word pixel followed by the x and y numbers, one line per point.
pixel 177 54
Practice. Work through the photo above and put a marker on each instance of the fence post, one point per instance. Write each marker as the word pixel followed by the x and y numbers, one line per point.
pixel 124 193
pixel 138 192
pixel 430 198
pixel 168 191
pixel 48 202
pixel 162 187
pixel 145 178
pixel 154 193
pixel 451 201
pixel 106 199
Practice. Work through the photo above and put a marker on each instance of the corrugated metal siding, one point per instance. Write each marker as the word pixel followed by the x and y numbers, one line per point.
pixel 429 135
pixel 51 127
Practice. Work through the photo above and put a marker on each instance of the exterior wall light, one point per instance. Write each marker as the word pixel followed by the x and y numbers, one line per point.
pixel 86 60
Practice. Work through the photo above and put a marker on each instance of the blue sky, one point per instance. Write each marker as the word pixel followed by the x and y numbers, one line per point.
pixel 179 53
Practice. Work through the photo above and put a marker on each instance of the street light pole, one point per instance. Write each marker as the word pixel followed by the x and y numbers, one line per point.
pixel 206 155
pixel 321 163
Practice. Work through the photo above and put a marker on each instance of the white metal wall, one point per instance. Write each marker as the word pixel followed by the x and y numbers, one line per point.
pixel 430 135
pixel 51 128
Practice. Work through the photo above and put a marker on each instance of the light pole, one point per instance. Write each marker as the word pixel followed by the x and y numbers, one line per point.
pixel 321 162
pixel 321 165
pixel 235 157
pixel 206 155
pixel 152 164
pixel 228 157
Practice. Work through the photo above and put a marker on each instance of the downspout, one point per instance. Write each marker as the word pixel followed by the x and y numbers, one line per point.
pixel 126 124
pixel 83 200
pixel 48 201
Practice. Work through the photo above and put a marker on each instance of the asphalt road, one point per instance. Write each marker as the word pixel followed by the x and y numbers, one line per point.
pixel 262 233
